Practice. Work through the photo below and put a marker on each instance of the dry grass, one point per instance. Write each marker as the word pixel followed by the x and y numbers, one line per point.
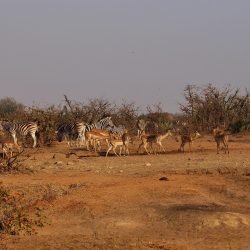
pixel 94 202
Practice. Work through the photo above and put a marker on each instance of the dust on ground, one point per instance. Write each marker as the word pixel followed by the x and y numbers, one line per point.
pixel 94 202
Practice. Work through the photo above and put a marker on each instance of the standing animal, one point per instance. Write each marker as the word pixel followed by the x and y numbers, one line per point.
pixel 22 129
pixel 141 127
pixel 126 140
pixel 121 143
pixel 117 130
pixel 188 138
pixel 153 139
pixel 71 131
pixel 220 136
pixel 102 124
pixel 7 148
pixel 95 136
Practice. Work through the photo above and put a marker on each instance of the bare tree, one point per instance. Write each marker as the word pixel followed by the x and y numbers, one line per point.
pixel 208 106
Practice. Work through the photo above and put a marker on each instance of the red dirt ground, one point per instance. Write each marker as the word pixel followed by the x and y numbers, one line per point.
pixel 120 203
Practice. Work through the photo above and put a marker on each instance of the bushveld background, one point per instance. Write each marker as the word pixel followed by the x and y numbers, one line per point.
pixel 56 197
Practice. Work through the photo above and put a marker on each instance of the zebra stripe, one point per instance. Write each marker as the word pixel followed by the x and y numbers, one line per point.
pixel 120 130
pixel 70 131
pixel 102 124
pixel 22 129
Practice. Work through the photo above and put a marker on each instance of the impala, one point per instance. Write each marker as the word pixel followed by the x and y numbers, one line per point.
pixel 188 138
pixel 220 136
pixel 7 148
pixel 151 139
pixel 121 143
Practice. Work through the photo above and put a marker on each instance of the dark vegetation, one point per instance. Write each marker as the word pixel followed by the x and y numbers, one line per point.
pixel 207 107
pixel 203 108
pixel 14 219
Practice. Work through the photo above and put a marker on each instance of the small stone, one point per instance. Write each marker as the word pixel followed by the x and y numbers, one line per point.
pixel 121 171
pixel 70 163
pixel 164 178
pixel 58 163
pixel 148 164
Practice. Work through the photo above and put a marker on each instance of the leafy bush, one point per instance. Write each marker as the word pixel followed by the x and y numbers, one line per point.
pixel 240 126
pixel 9 107
pixel 14 220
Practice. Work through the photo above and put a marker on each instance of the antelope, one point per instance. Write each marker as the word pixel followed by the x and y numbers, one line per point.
pixel 100 131
pixel 141 126
pixel 188 138
pixel 104 134
pixel 7 148
pixel 220 136
pixel 122 143
pixel 150 139
pixel 126 139
pixel 94 137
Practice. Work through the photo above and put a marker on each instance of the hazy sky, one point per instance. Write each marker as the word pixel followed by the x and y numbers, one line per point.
pixel 140 50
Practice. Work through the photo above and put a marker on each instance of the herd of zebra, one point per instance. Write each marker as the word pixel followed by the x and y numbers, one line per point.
pixel 65 131
pixel 104 130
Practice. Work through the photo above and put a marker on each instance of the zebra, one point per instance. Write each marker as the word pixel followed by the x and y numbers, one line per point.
pixel 70 131
pixel 20 128
pixel 77 130
pixel 102 124
pixel 117 130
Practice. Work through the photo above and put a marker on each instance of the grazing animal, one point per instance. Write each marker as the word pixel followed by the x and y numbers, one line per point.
pixel 20 128
pixel 151 139
pixel 188 138
pixel 70 131
pixel 220 136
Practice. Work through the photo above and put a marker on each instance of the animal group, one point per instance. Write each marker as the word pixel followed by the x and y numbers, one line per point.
pixel 92 135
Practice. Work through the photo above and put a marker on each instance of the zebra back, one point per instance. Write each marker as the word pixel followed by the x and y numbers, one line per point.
pixel 102 124
pixel 70 129
pixel 120 130
pixel 21 128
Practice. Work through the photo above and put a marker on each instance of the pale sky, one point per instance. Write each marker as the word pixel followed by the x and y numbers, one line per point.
pixel 139 50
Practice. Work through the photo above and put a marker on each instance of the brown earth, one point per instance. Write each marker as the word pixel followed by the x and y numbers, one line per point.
pixel 94 202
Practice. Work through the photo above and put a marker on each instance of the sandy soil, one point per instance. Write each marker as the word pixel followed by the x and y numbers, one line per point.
pixel 120 203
